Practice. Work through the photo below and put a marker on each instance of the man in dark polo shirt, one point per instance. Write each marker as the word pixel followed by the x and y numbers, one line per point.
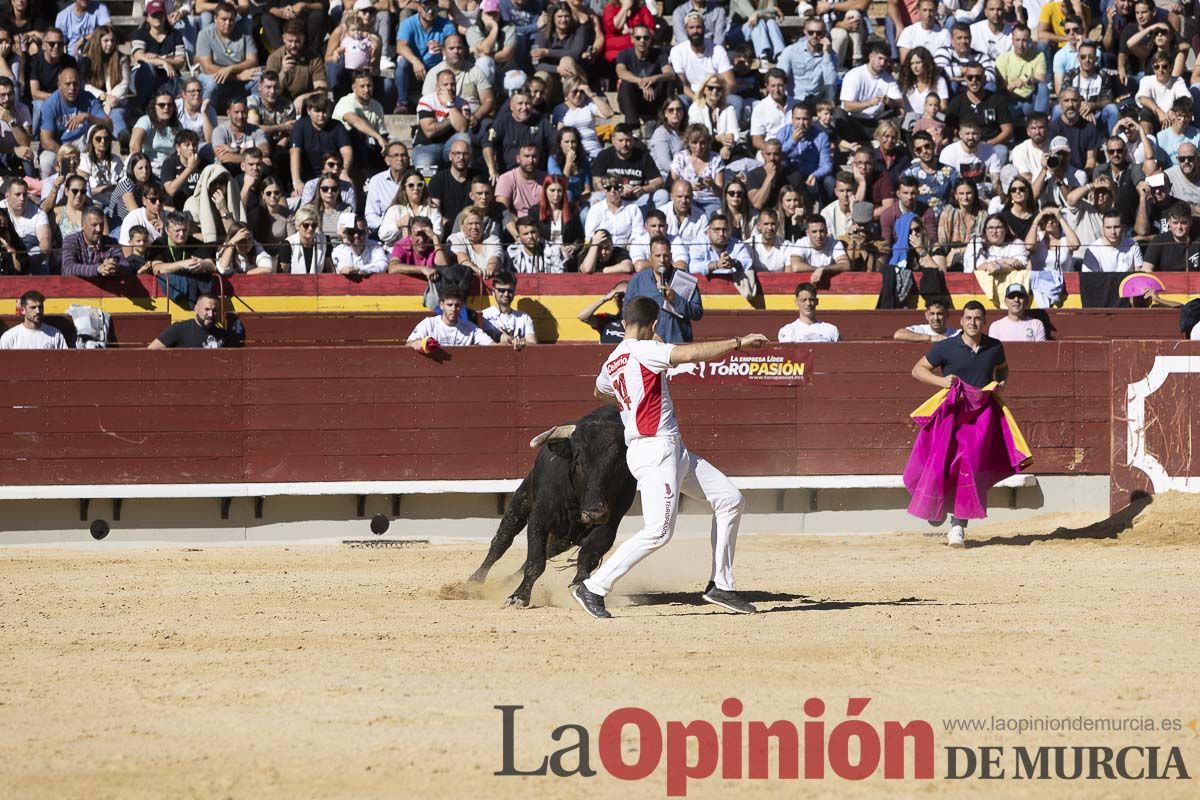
pixel 972 357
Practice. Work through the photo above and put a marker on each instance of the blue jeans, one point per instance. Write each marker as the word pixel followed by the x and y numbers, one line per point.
pixel 1040 102
pixel 432 156
pixel 219 94
pixel 766 37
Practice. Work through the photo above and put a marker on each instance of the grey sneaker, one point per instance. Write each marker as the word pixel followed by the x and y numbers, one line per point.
pixel 727 599
pixel 591 602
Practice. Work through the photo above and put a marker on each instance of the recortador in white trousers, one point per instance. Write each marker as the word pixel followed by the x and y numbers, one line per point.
pixel 664 469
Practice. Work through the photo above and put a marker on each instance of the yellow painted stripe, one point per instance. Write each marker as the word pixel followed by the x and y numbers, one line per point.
pixel 549 311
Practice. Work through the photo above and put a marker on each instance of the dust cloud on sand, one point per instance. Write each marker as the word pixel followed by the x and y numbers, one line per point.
pixel 295 672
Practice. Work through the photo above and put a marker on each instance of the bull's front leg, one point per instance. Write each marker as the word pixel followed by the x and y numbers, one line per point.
pixel 512 524
pixel 535 565
pixel 593 547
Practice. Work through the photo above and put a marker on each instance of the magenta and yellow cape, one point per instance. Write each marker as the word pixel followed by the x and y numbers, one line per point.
pixel 968 442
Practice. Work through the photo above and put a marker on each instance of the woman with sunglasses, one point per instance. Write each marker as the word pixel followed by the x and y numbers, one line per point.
pixel 104 70
pixel 157 52
pixel 100 165
pixel 702 168
pixel 735 204
pixel 913 246
pixel 307 250
pixel 68 216
pixel 66 164
pixel 411 200
pixel 667 139
pixel 570 162
pixel 1019 207
pixel 329 205
pixel 961 221
pixel 1051 242
pixel 581 108
pixel 712 111
pixel 154 133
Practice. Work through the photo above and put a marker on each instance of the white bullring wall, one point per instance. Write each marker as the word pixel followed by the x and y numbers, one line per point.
pixel 290 518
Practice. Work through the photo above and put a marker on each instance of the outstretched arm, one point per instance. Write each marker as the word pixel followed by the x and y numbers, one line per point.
pixel 701 351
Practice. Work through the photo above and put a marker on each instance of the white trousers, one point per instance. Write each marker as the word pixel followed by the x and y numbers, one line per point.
pixel 664 469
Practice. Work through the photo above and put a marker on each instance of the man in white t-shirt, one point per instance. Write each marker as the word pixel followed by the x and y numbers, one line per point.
pixel 1029 157
pixel 501 321
pixel 869 94
pixel 933 329
pixel 970 149
pixel 31 334
pixel 29 222
pixel 926 32
pixel 634 379
pixel 1116 251
pixel 817 251
pixel 806 328
pixel 447 329
pixel 992 35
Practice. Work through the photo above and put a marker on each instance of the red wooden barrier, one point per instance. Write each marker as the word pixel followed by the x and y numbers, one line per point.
pixel 325 414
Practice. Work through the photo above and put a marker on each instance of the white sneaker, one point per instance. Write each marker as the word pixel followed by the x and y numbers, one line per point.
pixel 956 537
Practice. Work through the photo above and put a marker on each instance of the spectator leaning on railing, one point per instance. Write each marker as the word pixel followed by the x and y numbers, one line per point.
pixel 89 253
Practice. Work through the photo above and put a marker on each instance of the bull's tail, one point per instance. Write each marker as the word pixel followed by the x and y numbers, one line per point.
pixel 516 516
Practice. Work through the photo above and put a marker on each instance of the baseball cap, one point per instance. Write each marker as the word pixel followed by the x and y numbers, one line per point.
pixel 1059 144
pixel 1016 289
pixel 862 213
pixel 363 5
pixel 155 7
pixel 489 6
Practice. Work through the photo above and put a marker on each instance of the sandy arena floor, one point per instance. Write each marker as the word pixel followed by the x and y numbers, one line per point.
pixel 317 671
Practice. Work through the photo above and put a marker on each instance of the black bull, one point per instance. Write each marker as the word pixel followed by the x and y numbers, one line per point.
pixel 575 495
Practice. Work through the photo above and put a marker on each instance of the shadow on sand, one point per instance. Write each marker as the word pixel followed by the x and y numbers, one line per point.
pixel 805 603
pixel 1109 528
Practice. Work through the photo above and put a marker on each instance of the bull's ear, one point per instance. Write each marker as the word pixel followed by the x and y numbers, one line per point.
pixel 560 448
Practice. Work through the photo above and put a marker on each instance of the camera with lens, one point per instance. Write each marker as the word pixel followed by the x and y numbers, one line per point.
pixel 1053 161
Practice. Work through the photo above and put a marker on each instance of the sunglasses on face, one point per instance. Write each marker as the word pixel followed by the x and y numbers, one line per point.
pixel 1185 159
pixel 503 290
pixel 75 191
pixel 354 233
pixel 271 193
pixel 308 226
pixel 53 42
pixel 641 38
pixel 973 77
pixel 152 199
pixel 332 164
pixel 328 188
pixel 1116 151
pixel 413 185
pixel 735 194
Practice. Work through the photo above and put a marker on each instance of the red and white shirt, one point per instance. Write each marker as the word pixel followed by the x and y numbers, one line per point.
pixel 636 374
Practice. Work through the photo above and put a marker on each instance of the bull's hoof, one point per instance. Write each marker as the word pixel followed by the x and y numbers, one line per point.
pixel 478 577
pixel 516 602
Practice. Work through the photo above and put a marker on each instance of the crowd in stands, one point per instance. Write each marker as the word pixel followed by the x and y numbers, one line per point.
pixel 1015 139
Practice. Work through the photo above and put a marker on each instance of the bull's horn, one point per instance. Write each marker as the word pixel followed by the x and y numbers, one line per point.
pixel 557 432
